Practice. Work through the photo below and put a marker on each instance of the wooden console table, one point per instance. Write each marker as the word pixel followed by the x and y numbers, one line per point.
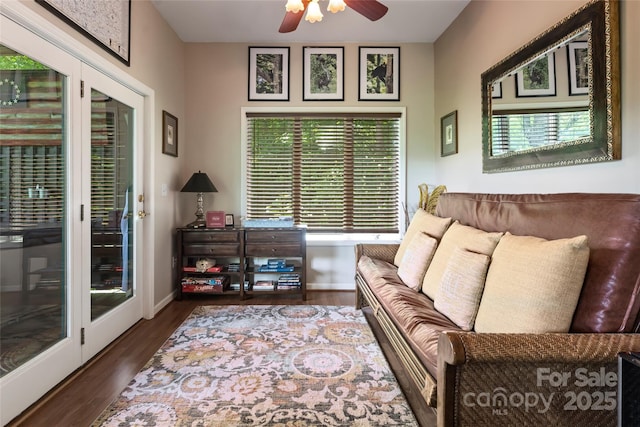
pixel 242 261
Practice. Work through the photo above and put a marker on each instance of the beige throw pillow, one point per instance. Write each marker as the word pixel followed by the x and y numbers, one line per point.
pixel 416 260
pixel 423 222
pixel 457 236
pixel 533 285
pixel 461 288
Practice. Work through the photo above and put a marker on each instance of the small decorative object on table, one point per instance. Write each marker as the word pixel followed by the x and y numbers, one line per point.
pixel 216 219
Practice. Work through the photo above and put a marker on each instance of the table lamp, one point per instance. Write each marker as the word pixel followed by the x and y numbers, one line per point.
pixel 199 183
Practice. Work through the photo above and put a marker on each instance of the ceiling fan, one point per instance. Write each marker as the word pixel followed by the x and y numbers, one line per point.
pixel 371 9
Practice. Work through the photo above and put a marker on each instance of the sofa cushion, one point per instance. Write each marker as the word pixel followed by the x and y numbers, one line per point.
pixel 533 285
pixel 610 298
pixel 412 312
pixel 417 319
pixel 461 288
pixel 457 236
pixel 422 222
pixel 416 260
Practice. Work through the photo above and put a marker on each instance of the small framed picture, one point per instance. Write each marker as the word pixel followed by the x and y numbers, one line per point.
pixel 215 219
pixel 449 134
pixel 537 78
pixel 323 71
pixel 228 220
pixel 169 134
pixel 379 74
pixel 496 90
pixel 268 73
pixel 578 56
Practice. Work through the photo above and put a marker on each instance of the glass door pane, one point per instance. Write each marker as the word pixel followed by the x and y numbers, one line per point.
pixel 33 285
pixel 111 203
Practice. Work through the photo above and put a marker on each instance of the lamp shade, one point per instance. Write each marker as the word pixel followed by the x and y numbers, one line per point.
pixel 199 183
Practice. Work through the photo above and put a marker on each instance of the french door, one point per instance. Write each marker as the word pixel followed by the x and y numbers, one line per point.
pixel 71 210
pixel 112 218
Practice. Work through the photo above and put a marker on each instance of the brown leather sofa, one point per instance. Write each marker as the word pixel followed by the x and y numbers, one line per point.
pixel 520 379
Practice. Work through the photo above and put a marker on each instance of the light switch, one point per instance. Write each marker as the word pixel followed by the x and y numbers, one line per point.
pixel 163 190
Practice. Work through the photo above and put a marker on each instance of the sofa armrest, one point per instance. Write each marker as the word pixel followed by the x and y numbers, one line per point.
pixel 545 379
pixel 382 251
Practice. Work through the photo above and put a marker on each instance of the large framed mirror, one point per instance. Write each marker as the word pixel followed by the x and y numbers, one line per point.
pixel 556 101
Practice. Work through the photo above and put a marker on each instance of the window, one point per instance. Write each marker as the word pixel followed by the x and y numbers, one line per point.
pixel 517 131
pixel 31 151
pixel 32 154
pixel 331 172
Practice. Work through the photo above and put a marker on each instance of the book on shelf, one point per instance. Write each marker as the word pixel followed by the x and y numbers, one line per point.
pixel 285 286
pixel 213 269
pixel 264 285
pixel 236 286
pixel 266 268
pixel 202 288
pixel 213 280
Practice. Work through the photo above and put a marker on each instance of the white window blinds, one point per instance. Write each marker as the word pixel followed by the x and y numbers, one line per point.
pixel 520 130
pixel 332 172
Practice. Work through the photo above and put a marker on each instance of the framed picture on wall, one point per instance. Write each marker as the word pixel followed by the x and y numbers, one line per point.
pixel 578 56
pixel 323 72
pixel 379 74
pixel 268 73
pixel 106 22
pixel 537 78
pixel 496 90
pixel 449 134
pixel 169 134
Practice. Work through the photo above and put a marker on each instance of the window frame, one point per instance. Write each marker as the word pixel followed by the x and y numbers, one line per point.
pixel 334 237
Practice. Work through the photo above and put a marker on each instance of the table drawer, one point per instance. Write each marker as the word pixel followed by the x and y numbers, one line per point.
pixel 289 249
pixel 273 236
pixel 211 237
pixel 223 249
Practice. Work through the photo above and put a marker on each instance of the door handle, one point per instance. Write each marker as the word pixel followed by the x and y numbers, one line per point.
pixel 142 214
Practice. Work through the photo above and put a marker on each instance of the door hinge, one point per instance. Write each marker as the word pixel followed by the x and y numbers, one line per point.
pixel 81 336
pixel 81 88
pixel 81 212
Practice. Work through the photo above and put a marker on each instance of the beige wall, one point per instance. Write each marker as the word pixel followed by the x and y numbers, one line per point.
pixel 217 90
pixel 486 32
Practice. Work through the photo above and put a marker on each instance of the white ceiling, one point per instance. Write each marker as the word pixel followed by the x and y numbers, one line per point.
pixel 257 21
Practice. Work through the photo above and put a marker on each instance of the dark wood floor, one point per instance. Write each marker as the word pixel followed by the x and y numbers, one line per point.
pixel 86 393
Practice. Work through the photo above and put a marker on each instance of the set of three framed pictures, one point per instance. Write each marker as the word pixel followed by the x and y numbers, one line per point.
pixel 323 73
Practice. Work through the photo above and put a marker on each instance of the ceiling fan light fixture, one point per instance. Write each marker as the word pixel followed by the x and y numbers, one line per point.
pixel 336 6
pixel 313 12
pixel 294 6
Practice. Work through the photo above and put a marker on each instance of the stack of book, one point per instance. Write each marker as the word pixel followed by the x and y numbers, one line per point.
pixel 233 267
pixel 213 284
pixel 275 265
pixel 289 281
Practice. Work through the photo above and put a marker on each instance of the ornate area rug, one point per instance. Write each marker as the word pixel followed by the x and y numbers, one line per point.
pixel 265 366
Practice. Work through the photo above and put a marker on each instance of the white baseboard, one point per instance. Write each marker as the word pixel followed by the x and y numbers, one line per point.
pixel 162 304
pixel 351 286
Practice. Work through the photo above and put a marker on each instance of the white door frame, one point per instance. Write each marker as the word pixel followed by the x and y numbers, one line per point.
pixel 15 17
pixel 27 18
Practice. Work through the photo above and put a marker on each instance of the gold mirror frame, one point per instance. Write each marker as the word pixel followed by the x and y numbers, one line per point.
pixel 600 19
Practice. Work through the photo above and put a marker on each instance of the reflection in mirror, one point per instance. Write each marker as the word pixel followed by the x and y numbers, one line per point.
pixel 555 102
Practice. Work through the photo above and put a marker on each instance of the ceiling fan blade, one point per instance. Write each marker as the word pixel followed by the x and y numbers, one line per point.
pixel 291 20
pixel 371 9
